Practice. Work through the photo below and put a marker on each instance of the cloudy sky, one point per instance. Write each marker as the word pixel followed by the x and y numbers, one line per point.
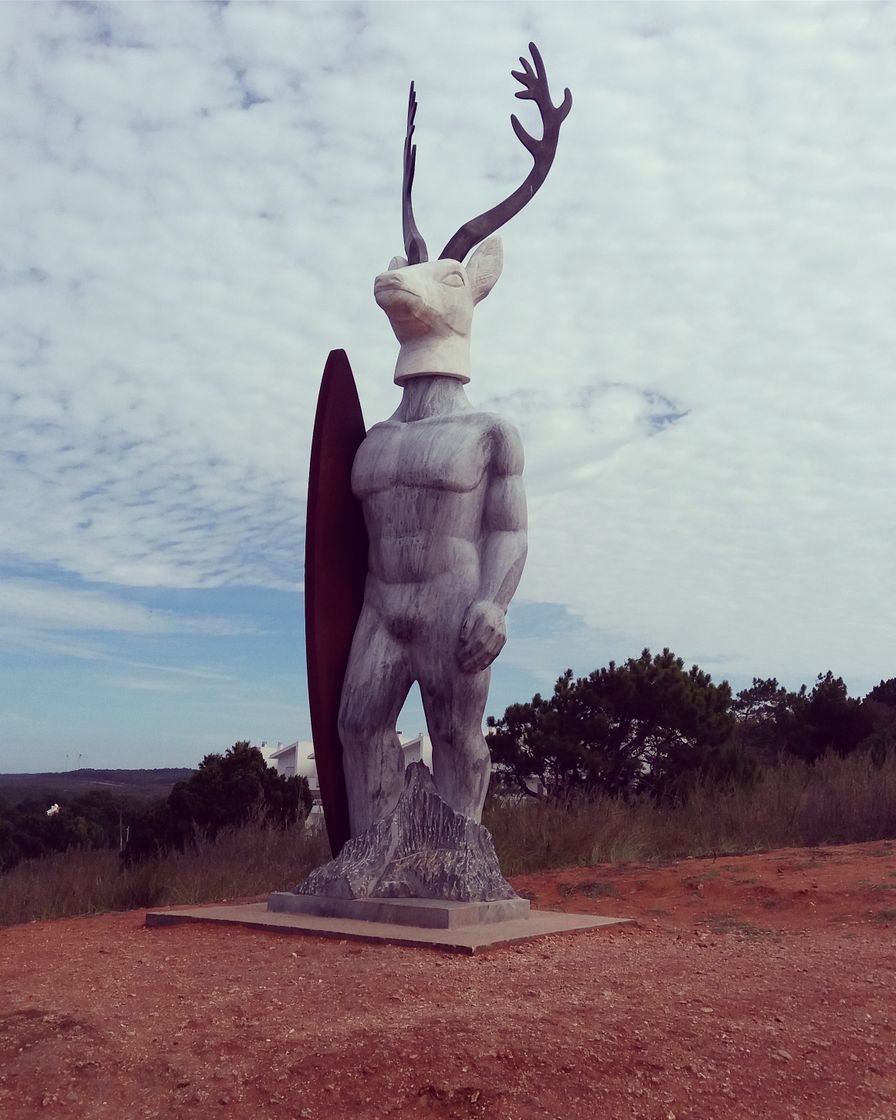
pixel 695 333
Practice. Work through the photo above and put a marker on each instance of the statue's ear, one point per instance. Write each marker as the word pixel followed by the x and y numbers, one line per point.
pixel 485 267
pixel 397 262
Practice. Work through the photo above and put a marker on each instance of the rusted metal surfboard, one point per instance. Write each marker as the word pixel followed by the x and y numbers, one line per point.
pixel 335 571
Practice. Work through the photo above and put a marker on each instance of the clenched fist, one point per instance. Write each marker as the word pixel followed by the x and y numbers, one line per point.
pixel 482 636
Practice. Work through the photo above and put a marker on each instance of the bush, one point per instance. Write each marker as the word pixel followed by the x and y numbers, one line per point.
pixel 226 791
pixel 242 861
pixel 835 801
pixel 649 724
pixel 90 820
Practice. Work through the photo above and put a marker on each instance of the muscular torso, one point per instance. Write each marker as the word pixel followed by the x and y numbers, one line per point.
pixel 423 485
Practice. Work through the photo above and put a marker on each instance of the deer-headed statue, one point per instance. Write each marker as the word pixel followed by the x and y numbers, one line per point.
pixel 441 491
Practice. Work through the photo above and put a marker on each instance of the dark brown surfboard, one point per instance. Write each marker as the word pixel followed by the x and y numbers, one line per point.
pixel 335 571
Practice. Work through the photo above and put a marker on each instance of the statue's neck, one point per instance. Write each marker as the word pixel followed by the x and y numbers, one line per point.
pixel 448 355
pixel 431 395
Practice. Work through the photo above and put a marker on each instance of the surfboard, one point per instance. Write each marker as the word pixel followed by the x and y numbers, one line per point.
pixel 335 571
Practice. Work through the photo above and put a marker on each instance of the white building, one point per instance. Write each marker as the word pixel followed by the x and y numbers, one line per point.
pixel 298 758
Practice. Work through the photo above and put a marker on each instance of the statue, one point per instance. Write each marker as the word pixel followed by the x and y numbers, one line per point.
pixel 443 501
pixel 445 511
pixel 443 505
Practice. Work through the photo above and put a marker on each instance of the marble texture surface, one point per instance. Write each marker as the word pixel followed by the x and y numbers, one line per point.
pixel 441 489
pixel 422 849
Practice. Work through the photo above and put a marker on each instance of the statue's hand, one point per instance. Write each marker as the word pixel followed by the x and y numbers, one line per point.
pixel 482 636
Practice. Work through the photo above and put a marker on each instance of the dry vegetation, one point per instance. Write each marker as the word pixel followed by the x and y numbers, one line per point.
pixel 834 801
pixel 246 861
pixel 793 805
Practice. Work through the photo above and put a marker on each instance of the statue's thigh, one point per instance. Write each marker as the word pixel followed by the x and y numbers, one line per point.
pixel 378 676
pixel 454 701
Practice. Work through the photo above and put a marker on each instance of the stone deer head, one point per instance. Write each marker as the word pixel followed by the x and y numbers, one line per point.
pixel 430 303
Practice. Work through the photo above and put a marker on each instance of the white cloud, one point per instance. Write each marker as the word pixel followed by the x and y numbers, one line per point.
pixel 142 684
pixel 694 329
pixel 45 606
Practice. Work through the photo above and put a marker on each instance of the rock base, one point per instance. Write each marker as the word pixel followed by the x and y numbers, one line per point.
pixel 423 850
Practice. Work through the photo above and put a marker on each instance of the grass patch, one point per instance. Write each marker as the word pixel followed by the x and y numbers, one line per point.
pixel 241 862
pixel 885 916
pixel 794 805
pixel 730 923
pixel 597 888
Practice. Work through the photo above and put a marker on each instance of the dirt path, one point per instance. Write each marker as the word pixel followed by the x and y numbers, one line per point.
pixel 751 987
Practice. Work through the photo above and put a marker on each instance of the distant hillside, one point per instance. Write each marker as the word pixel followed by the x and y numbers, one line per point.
pixel 148 784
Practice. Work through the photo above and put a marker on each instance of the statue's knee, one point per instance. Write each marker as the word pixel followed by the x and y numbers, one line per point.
pixel 351 726
pixel 468 756
pixel 473 749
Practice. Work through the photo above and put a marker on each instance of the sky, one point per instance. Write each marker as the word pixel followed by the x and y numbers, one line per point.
pixel 694 332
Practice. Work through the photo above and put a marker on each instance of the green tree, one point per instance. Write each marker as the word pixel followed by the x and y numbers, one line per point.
pixel 880 707
pixel 89 820
pixel 771 721
pixel 834 721
pixel 884 693
pixel 649 724
pixel 226 791
pixel 229 789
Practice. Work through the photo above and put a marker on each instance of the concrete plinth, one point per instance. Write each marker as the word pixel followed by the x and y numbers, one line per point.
pixel 465 939
pixel 428 913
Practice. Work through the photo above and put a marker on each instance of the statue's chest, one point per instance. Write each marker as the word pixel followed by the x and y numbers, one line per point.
pixel 444 455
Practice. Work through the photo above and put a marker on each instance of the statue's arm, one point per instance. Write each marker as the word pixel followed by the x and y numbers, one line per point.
pixel 503 553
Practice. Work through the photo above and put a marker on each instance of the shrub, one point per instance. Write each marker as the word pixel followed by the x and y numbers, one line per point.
pixel 833 801
pixel 226 791
pixel 242 861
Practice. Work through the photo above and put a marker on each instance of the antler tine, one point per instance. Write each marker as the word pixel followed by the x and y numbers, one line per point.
pixel 414 245
pixel 535 81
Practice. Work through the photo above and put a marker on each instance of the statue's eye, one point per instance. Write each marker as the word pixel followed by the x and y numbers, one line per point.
pixel 454 279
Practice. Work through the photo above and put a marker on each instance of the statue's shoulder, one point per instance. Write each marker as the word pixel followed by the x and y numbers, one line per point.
pixel 491 422
pixel 497 426
pixel 504 441
pixel 383 428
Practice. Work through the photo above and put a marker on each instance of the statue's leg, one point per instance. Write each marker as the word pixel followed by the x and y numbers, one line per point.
pixel 377 681
pixel 454 703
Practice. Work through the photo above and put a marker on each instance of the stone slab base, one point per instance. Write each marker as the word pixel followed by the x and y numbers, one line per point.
pixel 465 939
pixel 430 913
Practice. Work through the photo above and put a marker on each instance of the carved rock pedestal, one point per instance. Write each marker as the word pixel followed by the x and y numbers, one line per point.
pixel 424 864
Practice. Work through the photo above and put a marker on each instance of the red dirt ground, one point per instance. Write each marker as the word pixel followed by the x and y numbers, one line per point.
pixel 751 987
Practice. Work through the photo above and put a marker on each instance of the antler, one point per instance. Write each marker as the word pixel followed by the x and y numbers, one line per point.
pixel 542 152
pixel 414 245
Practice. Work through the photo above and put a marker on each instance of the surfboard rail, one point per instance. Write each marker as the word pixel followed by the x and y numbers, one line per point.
pixel 335 572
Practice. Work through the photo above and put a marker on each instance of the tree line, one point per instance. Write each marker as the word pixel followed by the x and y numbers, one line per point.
pixel 648 726
pixel 225 791
pixel 653 726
